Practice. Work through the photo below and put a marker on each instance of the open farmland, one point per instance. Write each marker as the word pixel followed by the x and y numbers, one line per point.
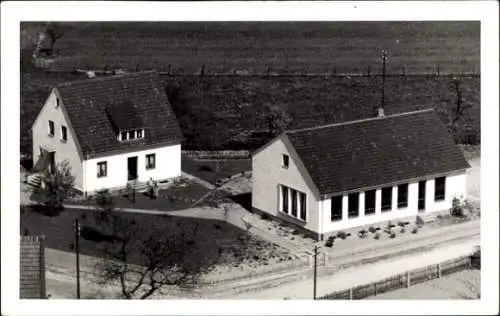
pixel 225 111
pixel 285 47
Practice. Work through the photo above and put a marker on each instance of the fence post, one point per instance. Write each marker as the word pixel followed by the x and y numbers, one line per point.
pixel 350 293
pixel 408 279
pixel 439 270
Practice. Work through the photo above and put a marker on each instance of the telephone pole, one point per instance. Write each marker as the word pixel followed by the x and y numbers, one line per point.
pixel 384 59
pixel 77 249
pixel 315 268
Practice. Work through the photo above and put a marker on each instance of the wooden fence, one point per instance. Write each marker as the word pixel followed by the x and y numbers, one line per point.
pixel 402 280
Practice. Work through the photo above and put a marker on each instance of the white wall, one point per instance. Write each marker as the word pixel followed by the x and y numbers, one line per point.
pixel 168 165
pixel 455 186
pixel 268 173
pixel 65 150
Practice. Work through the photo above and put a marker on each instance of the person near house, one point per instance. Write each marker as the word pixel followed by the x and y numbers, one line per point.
pixel 156 190
pixel 151 188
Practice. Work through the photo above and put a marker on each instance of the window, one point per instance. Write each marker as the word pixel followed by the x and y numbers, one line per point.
pixel 386 199
pixel 64 133
pixel 303 206
pixel 285 199
pixel 353 205
pixel 102 169
pixel 124 135
pixel 286 161
pixel 294 202
pixel 51 128
pixel 403 195
pixel 370 197
pixel 131 135
pixel 336 208
pixel 151 161
pixel 440 189
pixel 57 102
pixel 139 133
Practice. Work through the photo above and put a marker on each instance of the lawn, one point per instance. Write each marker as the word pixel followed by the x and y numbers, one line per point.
pixel 210 172
pixel 179 196
pixel 213 240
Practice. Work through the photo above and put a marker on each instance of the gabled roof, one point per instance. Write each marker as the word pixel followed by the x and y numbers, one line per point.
pixel 99 106
pixel 377 151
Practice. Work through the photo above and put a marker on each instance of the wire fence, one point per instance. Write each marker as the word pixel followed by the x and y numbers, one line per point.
pixel 403 280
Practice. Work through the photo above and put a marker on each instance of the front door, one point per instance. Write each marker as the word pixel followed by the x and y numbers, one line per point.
pixel 132 168
pixel 421 196
pixel 52 161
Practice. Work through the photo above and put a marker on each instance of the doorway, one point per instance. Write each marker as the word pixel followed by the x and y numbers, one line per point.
pixel 421 195
pixel 132 168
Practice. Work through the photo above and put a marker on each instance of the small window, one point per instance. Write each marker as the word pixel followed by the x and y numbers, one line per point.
pixel 284 199
pixel 440 189
pixel 102 169
pixel 131 135
pixel 51 128
pixel 64 133
pixel 303 205
pixel 151 161
pixel 57 102
pixel 403 195
pixel 370 197
pixel 336 208
pixel 386 199
pixel 294 202
pixel 286 161
pixel 353 205
pixel 124 135
pixel 140 133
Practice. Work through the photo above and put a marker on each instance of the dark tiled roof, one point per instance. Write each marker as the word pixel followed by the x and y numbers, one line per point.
pixel 86 102
pixel 125 116
pixel 377 151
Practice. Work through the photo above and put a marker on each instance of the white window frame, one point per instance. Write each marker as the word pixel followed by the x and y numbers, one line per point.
pixel 52 130
pixel 299 205
pixel 99 174
pixel 148 166
pixel 63 138
pixel 283 161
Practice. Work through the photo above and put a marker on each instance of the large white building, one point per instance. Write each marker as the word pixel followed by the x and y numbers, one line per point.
pixel 336 177
pixel 112 130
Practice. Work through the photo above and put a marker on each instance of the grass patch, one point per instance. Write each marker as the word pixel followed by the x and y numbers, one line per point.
pixel 208 171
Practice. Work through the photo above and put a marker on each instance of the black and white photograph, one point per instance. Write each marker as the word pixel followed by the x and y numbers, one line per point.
pixel 241 160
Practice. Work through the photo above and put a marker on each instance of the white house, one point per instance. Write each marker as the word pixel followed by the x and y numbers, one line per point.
pixel 336 177
pixel 112 130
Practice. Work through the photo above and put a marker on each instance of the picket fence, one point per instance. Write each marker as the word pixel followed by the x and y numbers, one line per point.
pixel 402 280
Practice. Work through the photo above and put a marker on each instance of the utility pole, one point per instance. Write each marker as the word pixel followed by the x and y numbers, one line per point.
pixel 77 248
pixel 384 58
pixel 315 268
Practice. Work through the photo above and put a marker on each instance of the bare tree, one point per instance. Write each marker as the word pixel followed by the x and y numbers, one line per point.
pixel 146 260
pixel 277 119
pixel 460 106
pixel 56 187
pixel 54 31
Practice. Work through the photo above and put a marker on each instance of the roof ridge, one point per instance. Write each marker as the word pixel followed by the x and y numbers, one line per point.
pixel 359 121
pixel 106 78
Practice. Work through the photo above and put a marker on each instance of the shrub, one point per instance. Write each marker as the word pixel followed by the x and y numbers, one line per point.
pixel 392 235
pixel 414 230
pixel 459 207
pixel 419 221
pixel 372 229
pixel 329 241
pixel 342 235
pixel 390 225
pixel 401 224
pixel 377 236
pixel 295 232
pixel 363 233
pixel 264 216
pixel 402 230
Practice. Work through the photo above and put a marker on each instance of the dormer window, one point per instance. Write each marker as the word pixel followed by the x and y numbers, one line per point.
pixel 131 135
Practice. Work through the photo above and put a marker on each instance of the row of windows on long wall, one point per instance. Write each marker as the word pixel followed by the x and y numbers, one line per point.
pixel 386 204
pixel 292 202
pixel 102 166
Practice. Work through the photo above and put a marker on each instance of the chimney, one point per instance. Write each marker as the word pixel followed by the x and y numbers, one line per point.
pixel 90 74
pixel 380 112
